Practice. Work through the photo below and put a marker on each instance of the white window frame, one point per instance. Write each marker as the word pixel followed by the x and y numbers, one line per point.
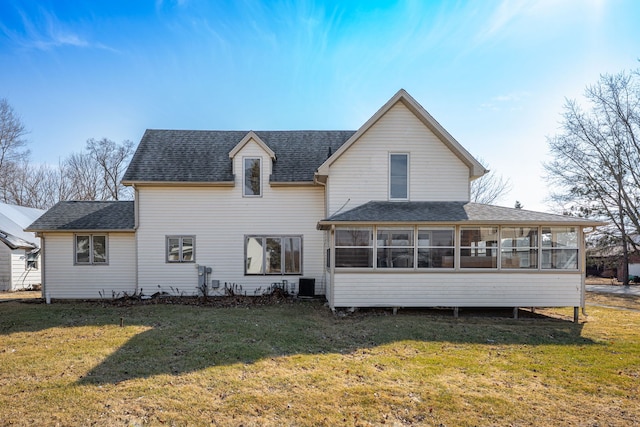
pixel 91 250
pixel 408 157
pixel 180 249
pixel 263 238
pixel 244 176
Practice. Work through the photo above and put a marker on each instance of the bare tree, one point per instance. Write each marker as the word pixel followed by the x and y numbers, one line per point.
pixel 12 144
pixel 597 158
pixel 112 160
pixel 489 188
pixel 83 177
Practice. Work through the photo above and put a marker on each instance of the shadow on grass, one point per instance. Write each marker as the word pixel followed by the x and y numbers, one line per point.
pixel 185 339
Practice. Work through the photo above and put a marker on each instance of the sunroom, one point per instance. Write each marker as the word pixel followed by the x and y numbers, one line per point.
pixel 453 254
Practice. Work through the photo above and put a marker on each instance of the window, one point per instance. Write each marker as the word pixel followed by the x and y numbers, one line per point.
pixel 354 247
pixel 560 248
pixel 181 248
pixel 519 247
pixel 478 247
pixel 91 249
pixel 252 177
pixel 273 255
pixel 32 259
pixel 399 176
pixel 436 247
pixel 395 248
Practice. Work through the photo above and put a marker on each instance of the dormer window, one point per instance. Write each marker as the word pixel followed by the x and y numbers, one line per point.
pixel 398 176
pixel 252 177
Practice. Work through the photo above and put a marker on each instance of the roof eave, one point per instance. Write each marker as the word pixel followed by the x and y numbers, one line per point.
pixel 326 224
pixel 83 230
pixel 180 183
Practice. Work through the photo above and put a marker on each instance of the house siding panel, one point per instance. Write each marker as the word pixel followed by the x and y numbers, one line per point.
pixel 21 277
pixel 5 267
pixel 361 173
pixel 456 289
pixel 220 217
pixel 66 280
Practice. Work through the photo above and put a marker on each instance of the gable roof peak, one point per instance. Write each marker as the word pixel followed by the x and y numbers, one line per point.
pixel 476 169
pixel 251 135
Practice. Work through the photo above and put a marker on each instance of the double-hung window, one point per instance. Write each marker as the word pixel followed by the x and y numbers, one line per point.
pixel 560 248
pixel 395 248
pixel 90 249
pixel 181 248
pixel 398 176
pixel 252 185
pixel 436 247
pixel 273 255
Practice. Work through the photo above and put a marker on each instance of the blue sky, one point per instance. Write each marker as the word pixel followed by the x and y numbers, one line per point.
pixel 495 74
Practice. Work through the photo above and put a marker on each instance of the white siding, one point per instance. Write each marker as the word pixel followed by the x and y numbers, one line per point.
pixel 63 279
pixel 220 218
pixel 13 273
pixel 23 278
pixel 361 173
pixel 5 267
pixel 457 289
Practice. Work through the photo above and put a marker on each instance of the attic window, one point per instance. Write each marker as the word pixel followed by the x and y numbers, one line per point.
pixel 252 177
pixel 398 176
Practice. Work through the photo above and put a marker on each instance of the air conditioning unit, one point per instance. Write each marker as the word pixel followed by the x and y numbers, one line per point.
pixel 307 287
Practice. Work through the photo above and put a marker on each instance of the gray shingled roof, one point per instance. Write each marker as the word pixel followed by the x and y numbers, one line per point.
pixel 203 156
pixel 448 212
pixel 87 216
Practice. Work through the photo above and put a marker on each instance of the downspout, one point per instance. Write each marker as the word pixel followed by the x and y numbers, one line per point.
pixel 332 264
pixel 135 234
pixel 583 275
pixel 43 273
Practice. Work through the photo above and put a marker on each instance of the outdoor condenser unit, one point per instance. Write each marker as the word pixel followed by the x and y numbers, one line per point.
pixel 307 287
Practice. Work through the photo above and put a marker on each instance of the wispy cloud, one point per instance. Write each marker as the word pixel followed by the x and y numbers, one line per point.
pixel 510 101
pixel 45 32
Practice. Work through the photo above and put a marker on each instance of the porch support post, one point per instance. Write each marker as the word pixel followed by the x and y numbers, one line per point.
pixel 576 314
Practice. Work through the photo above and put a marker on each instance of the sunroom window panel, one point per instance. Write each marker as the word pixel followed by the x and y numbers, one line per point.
pixel 435 257
pixel 354 237
pixel 479 247
pixel 395 258
pixel 354 257
pixel 519 258
pixel 560 259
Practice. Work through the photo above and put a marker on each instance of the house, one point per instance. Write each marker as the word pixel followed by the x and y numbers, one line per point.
pixel 19 250
pixel 378 217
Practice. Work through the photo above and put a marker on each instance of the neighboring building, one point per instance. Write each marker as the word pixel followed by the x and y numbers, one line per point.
pixel 378 217
pixel 19 250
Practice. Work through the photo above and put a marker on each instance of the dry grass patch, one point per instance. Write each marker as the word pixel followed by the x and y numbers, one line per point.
pixel 298 364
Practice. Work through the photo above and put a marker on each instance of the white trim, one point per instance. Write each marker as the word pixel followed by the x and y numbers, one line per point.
pixel 244 141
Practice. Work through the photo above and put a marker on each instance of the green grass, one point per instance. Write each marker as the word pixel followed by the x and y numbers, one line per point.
pixel 299 364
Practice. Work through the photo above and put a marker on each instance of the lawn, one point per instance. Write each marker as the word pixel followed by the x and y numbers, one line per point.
pixel 299 364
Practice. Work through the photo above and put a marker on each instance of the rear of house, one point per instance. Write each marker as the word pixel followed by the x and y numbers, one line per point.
pixel 374 217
